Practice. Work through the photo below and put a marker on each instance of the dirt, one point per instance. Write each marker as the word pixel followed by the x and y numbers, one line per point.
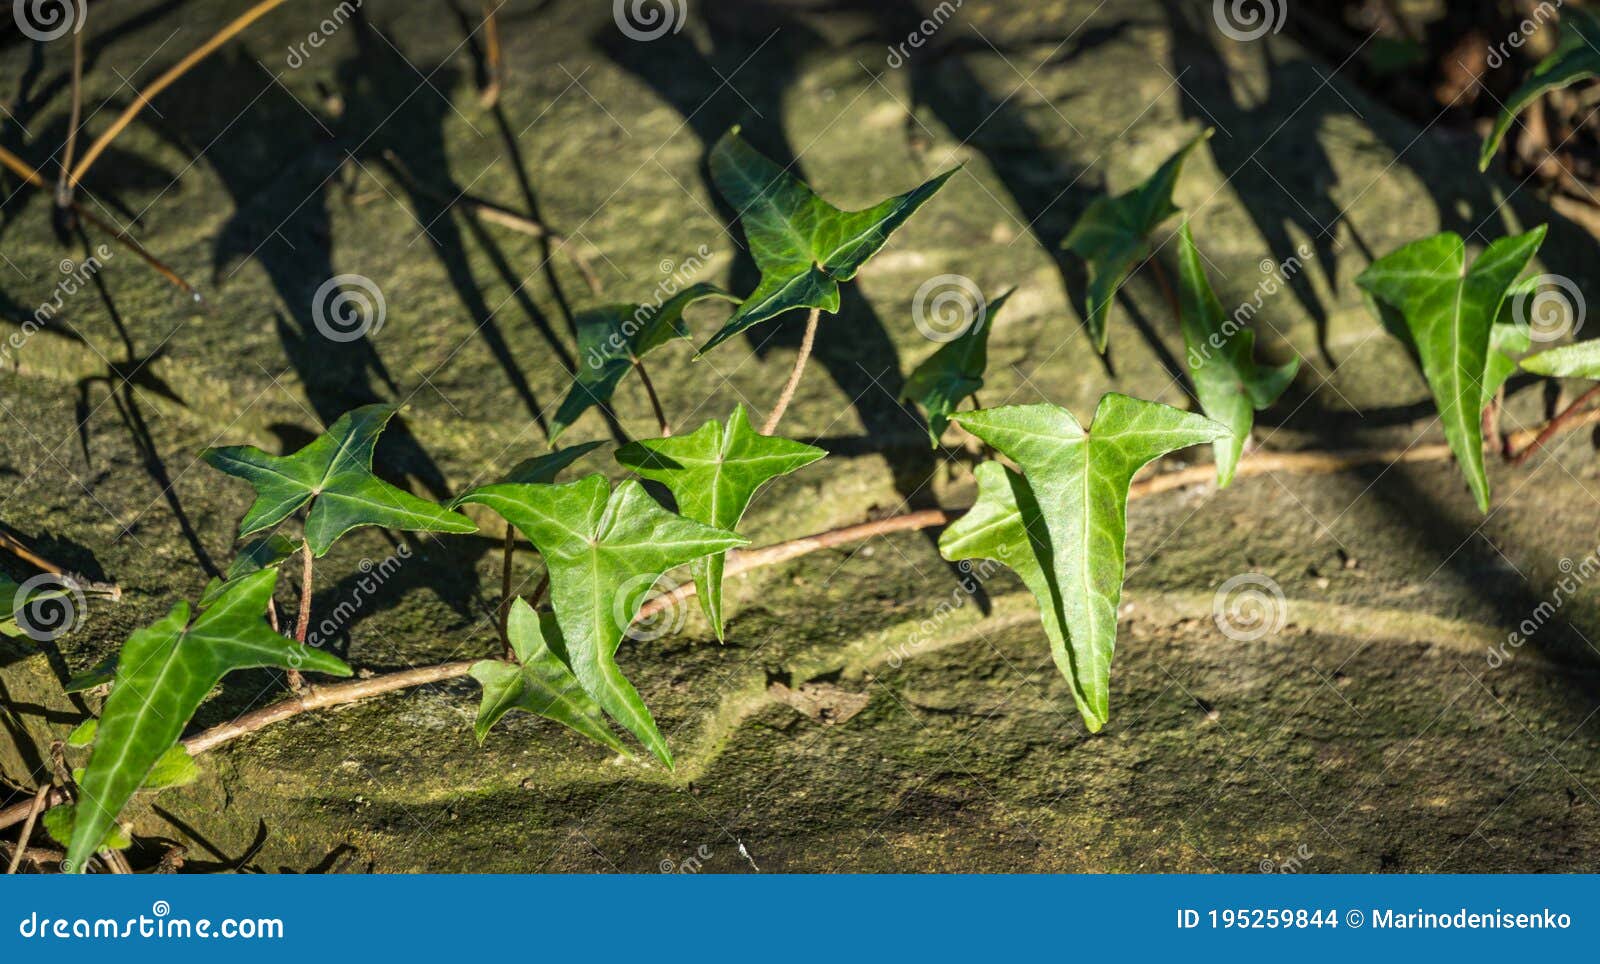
pixel 1385 724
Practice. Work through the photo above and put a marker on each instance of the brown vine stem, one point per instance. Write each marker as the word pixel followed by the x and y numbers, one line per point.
pixel 494 65
pixel 655 400
pixel 170 75
pixel 787 395
pixel 63 186
pixel 339 694
pixel 509 550
pixel 34 808
pixel 1568 418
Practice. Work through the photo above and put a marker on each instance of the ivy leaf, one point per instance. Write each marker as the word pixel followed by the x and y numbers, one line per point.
pixel 604 550
pixel 1449 311
pixel 803 245
pixel 1576 57
pixel 1114 235
pixel 257 554
pixel 545 468
pixel 713 473
pixel 613 337
pixel 335 470
pixel 165 671
pixel 1581 360
pixel 953 372
pixel 60 820
pixel 1507 340
pixel 1062 524
pixel 539 682
pixel 1221 355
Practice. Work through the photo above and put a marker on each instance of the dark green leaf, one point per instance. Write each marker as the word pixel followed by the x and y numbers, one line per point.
pixel 713 473
pixel 539 682
pixel 953 372
pixel 604 550
pixel 1449 312
pixel 803 245
pixel 1062 524
pixel 1114 235
pixel 612 337
pixel 1576 57
pixel 335 470
pixel 164 672
pixel 1222 364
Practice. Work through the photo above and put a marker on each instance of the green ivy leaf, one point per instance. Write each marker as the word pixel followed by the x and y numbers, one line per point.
pixel 335 470
pixel 176 768
pixel 1576 57
pixel 165 671
pixel 545 468
pixel 539 682
pixel 803 245
pixel 258 554
pixel 1448 312
pixel 713 473
pixel 613 337
pixel 1114 235
pixel 60 820
pixel 1062 524
pixel 604 550
pixel 954 371
pixel 1222 364
pixel 1581 360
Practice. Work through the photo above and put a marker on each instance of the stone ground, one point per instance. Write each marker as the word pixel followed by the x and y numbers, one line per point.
pixel 1370 731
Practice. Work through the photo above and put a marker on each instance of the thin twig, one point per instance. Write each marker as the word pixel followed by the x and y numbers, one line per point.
pixel 164 81
pixel 302 627
pixel 64 186
pixel 655 400
pixel 34 810
pixel 15 547
pixel 493 68
pixel 496 214
pixel 508 551
pixel 1563 421
pixel 794 376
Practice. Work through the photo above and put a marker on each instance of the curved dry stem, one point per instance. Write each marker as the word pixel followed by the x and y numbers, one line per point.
pixel 164 81
pixel 793 383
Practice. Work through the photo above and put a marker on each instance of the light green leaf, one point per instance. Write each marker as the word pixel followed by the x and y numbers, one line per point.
pixel 604 550
pixel 335 470
pixel 953 372
pixel 1449 311
pixel 1576 57
pixel 267 552
pixel 612 337
pixel 713 473
pixel 60 820
pixel 1581 360
pixel 1062 524
pixel 1222 364
pixel 165 671
pixel 803 245
pixel 539 682
pixel 1114 235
